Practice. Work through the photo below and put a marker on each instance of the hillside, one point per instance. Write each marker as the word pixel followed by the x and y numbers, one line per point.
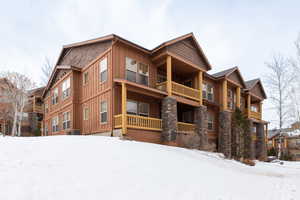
pixel 91 167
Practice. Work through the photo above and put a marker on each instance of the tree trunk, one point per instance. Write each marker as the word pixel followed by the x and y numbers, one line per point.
pixel 13 131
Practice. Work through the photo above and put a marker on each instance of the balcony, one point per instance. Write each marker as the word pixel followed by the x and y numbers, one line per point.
pixel 253 114
pixel 185 128
pixel 139 122
pixel 181 90
pixel 37 109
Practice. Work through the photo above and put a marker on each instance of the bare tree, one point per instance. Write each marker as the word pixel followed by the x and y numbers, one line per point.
pixel 279 82
pixel 47 70
pixel 14 90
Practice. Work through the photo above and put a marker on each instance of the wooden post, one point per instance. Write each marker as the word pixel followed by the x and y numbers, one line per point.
pixel 238 97
pixel 200 80
pixel 169 75
pixel 285 143
pixel 260 109
pixel 224 96
pixel 248 104
pixel 124 110
pixel 273 143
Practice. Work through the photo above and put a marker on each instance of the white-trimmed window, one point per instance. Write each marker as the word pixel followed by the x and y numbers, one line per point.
pixel 55 122
pixel 208 92
pixel 210 122
pixel 254 108
pixel 103 70
pixel 230 99
pixel 137 72
pixel 103 112
pixel 66 88
pixel 85 78
pixel 86 113
pixel 66 120
pixel 54 97
pixel 137 108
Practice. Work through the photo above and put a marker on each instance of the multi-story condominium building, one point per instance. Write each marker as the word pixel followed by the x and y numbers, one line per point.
pixel 111 86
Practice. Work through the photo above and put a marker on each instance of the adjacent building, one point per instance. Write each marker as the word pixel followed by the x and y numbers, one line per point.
pixel 111 86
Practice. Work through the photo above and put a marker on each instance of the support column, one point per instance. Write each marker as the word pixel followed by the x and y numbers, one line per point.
pixel 261 149
pixel 224 95
pixel 124 109
pixel 249 143
pixel 169 75
pixel 224 136
pixel 200 120
pixel 169 120
pixel 238 97
pixel 248 105
pixel 200 81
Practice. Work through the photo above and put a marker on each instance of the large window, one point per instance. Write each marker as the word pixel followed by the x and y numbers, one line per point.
pixel 66 120
pixel 54 98
pixel 66 88
pixel 55 124
pixel 103 112
pixel 210 122
pixel 230 99
pixel 137 72
pixel 208 92
pixel 103 70
pixel 85 78
pixel 254 108
pixel 86 113
pixel 137 108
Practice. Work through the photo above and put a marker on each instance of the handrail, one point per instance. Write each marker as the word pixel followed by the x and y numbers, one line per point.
pixel 185 91
pixel 183 127
pixel 146 123
pixel 162 86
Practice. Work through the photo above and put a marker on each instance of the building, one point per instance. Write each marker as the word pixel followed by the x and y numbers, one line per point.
pixel 111 86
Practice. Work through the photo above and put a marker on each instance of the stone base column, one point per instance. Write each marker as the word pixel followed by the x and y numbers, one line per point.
pixel 261 149
pixel 249 145
pixel 169 119
pixel 224 137
pixel 200 120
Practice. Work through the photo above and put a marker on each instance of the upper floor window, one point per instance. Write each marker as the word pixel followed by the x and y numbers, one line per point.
pixel 254 108
pixel 103 70
pixel 85 78
pixel 210 121
pixel 103 112
pixel 66 88
pixel 54 98
pixel 230 99
pixel 86 113
pixel 208 92
pixel 161 78
pixel 55 124
pixel 137 72
pixel 66 120
pixel 137 108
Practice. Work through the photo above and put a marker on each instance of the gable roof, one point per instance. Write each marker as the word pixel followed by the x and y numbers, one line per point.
pixel 226 73
pixel 252 83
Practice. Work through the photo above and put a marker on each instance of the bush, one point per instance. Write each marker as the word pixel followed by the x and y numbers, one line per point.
pixel 37 132
pixel 272 152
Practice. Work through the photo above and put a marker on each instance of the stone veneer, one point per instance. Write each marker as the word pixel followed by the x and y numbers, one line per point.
pixel 200 120
pixel 169 119
pixel 261 149
pixel 248 142
pixel 224 137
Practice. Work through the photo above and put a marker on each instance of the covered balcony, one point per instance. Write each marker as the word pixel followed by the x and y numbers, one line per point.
pixel 253 107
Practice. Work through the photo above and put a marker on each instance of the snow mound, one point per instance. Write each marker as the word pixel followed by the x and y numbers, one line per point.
pixel 90 167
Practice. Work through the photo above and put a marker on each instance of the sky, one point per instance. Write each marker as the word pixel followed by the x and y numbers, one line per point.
pixel 231 33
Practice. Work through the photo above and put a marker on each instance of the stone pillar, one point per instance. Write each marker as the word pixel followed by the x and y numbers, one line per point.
pixel 200 120
pixel 261 149
pixel 169 119
pixel 249 143
pixel 224 137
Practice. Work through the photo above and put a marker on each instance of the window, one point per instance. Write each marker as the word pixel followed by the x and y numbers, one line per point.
pixel 210 122
pixel 187 117
pixel 254 108
pixel 66 88
pixel 208 92
pixel 137 108
pixel 230 99
pixel 297 141
pixel 161 78
pixel 103 70
pixel 55 96
pixel 137 72
pixel 85 78
pixel 86 113
pixel 103 112
pixel 66 120
pixel 46 108
pixel 55 124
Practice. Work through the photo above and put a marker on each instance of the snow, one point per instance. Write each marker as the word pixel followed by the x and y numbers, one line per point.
pixel 95 167
pixel 294 133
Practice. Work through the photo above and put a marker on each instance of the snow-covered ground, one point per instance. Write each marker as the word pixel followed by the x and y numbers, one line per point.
pixel 94 167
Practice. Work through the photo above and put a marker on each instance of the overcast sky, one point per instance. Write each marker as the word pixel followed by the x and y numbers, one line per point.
pixel 231 33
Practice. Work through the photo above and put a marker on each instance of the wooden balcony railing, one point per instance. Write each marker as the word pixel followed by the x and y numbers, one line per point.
pixel 185 127
pixel 118 121
pixel 180 90
pixel 254 115
pixel 37 109
pixel 139 122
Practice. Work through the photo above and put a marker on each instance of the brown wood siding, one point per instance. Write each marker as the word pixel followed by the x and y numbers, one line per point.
pixel 235 78
pixel 122 51
pixel 187 50
pixel 214 111
pixel 144 136
pixel 257 91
